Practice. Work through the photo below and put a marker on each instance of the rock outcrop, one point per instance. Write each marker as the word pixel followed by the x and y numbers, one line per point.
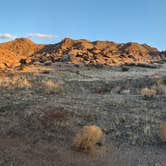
pixel 77 51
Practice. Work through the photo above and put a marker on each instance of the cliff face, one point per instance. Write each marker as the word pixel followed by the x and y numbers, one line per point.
pixel 77 51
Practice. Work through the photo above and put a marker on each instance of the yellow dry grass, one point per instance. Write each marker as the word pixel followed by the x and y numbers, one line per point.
pixel 51 86
pixel 15 82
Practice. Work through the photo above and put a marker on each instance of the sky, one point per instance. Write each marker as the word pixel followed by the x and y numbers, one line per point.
pixel 49 21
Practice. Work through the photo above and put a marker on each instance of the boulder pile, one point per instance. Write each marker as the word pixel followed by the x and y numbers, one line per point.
pixel 77 51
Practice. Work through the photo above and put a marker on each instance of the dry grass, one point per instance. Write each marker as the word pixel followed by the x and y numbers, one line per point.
pixel 160 86
pixel 87 139
pixel 163 131
pixel 21 82
pixel 149 92
pixel 30 81
pixel 51 86
pixel 160 89
pixel 15 82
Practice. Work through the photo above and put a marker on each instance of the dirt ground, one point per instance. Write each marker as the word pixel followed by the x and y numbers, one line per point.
pixel 43 107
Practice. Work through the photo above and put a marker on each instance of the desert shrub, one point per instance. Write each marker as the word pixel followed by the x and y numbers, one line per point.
pixel 148 92
pixel 159 85
pixel 163 131
pixel 51 86
pixel 23 64
pixel 23 67
pixel 124 68
pixel 162 89
pixel 88 138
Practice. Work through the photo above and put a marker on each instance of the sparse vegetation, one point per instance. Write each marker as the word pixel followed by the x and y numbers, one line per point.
pixel 87 139
pixel 125 69
pixel 33 111
pixel 51 86
pixel 33 82
pixel 148 93
pixel 23 67
pixel 163 131
pixel 17 81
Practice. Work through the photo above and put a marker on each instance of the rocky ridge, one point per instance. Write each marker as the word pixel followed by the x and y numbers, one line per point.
pixel 77 51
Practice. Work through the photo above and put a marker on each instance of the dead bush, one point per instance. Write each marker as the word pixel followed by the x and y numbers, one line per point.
pixel 148 93
pixel 88 138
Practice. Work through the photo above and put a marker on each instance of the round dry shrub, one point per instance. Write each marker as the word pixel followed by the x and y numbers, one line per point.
pixel 163 131
pixel 148 92
pixel 88 138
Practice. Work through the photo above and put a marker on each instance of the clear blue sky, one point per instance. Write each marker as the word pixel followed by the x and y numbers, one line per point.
pixel 142 21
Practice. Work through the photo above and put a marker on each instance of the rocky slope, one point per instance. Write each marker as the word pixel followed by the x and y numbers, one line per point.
pixel 76 51
pixel 13 51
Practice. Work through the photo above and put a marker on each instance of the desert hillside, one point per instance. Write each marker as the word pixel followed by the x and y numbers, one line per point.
pixel 13 51
pixel 76 51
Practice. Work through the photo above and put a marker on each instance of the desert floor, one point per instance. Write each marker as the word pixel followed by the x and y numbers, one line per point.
pixel 43 107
